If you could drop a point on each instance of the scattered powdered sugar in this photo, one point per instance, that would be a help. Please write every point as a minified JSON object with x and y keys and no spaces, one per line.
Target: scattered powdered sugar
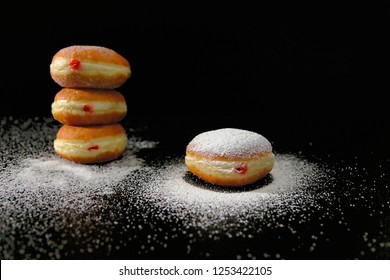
{"x":59,"y":184}
{"x":230,"y":142}
{"x":147,"y":205}
{"x":202,"y":205}
{"x":38,"y":188}
{"x":38,"y":170}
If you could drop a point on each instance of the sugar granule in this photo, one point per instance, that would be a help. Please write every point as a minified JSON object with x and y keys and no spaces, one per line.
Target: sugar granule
{"x":199,"y":204}
{"x":38,"y":189}
{"x":150,"y":206}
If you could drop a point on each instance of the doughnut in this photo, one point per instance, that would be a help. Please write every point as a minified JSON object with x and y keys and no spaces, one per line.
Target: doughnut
{"x":229,"y":157}
{"x":89,"y":67}
{"x":88,"y":106}
{"x":91,"y":144}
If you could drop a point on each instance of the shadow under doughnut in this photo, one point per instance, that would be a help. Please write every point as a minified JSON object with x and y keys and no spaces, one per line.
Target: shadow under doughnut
{"x":197,"y":182}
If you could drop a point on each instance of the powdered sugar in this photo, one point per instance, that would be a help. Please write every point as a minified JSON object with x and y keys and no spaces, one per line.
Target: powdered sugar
{"x":147,"y":205}
{"x":62,"y":183}
{"x":66,"y":185}
{"x":48,"y":201}
{"x":39,"y":191}
{"x":230,"y":142}
{"x":203,"y":205}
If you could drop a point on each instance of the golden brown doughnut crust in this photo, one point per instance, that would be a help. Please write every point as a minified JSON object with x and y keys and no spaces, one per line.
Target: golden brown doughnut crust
{"x":78,"y":94}
{"x":92,"y":53}
{"x":83,"y":112}
{"x":96,"y":56}
{"x":114,"y":135}
{"x":89,"y":132}
{"x":226,"y":181}
{"x":74,"y":120}
{"x":102,"y":157}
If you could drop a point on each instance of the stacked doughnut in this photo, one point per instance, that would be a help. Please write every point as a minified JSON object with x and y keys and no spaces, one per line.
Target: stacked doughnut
{"x":89,"y":105}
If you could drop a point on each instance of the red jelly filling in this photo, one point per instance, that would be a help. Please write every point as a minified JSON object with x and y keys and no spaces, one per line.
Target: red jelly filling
{"x":75,"y":64}
{"x":242,"y":168}
{"x":88,"y":108}
{"x":95,"y":147}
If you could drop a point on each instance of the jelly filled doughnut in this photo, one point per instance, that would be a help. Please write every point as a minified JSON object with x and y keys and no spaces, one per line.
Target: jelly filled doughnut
{"x":89,"y":67}
{"x":91,"y":144}
{"x":88,"y":106}
{"x":229,"y":157}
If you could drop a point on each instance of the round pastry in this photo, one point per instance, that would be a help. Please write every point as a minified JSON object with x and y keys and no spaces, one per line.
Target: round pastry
{"x":88,"y":106}
{"x":91,"y":144}
{"x":229,"y":157}
{"x":89,"y":67}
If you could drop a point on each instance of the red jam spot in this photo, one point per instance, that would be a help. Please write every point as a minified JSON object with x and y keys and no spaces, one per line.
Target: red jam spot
{"x":95,"y":147}
{"x":75,"y":64}
{"x":88,"y":108}
{"x":242,"y":168}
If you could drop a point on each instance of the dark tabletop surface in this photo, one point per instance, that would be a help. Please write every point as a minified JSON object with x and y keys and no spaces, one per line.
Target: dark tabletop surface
{"x":344,"y":215}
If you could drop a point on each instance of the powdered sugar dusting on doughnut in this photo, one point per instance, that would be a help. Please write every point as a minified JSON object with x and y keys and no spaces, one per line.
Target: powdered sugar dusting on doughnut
{"x":229,"y":143}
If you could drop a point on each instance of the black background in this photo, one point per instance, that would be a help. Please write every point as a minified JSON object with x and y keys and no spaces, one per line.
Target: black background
{"x":325,"y":59}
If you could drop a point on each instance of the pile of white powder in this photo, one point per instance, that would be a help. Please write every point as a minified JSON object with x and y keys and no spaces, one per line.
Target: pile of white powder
{"x":53,"y":208}
{"x":203,"y":205}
